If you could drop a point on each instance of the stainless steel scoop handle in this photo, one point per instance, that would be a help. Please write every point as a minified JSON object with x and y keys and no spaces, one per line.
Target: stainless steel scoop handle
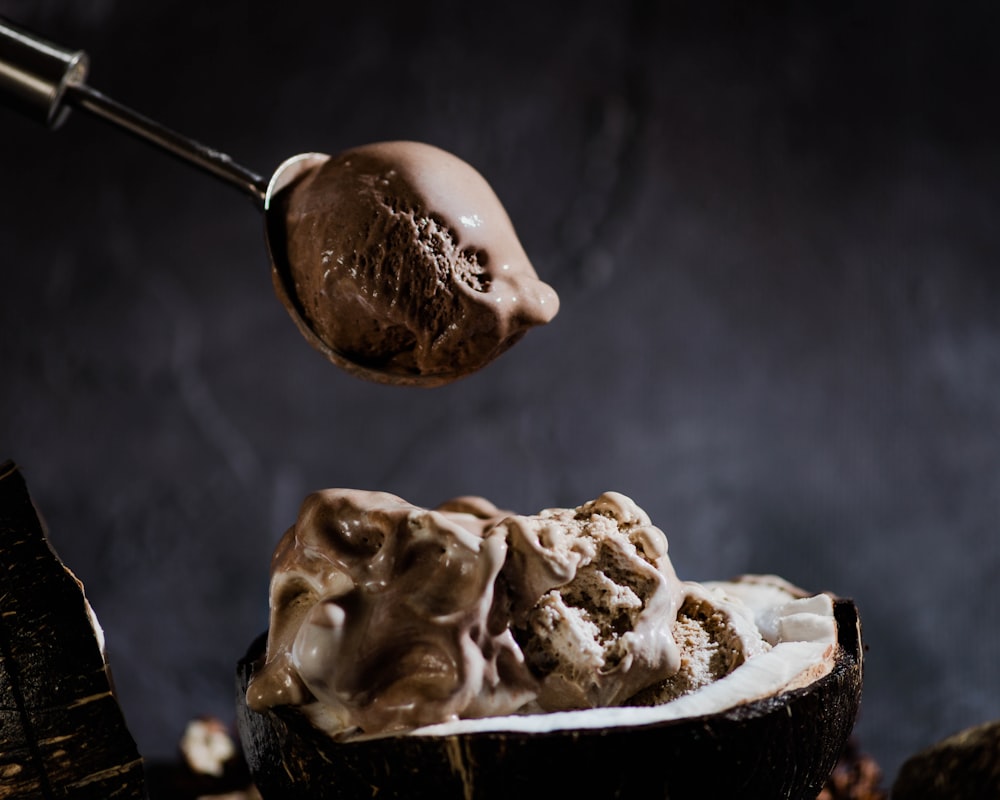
{"x":34,"y":74}
{"x":43,"y":80}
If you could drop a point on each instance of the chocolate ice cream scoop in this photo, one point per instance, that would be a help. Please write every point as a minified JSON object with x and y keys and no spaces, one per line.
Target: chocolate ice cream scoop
{"x":398,"y":258}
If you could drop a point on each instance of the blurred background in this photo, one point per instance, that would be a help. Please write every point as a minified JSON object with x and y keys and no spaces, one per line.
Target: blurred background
{"x":774,"y":231}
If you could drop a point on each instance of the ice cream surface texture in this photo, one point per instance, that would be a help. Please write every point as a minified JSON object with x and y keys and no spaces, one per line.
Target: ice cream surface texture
{"x":386,"y":617}
{"x":401,"y":257}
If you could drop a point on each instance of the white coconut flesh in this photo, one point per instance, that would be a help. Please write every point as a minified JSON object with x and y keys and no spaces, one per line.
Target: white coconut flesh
{"x":799,"y":636}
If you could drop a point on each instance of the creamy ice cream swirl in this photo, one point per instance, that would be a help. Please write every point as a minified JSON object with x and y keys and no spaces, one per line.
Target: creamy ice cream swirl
{"x":379,"y":612}
{"x":387,"y":617}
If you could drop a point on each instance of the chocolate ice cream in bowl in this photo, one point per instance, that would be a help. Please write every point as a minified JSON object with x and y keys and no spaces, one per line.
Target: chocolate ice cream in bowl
{"x":395,"y":260}
{"x":469,"y":652}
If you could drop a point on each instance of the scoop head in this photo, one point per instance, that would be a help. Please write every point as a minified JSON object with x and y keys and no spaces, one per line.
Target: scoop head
{"x":398,"y":262}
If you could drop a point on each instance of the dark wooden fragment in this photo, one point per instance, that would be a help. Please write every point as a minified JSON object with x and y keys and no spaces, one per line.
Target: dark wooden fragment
{"x":780,"y":747}
{"x":62,"y":732}
{"x":965,"y":765}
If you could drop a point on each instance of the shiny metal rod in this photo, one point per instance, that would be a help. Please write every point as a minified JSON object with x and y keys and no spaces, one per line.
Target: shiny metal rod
{"x":42,"y":80}
{"x":204,"y":158}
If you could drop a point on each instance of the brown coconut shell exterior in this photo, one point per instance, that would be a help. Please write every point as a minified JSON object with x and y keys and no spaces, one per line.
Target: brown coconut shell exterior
{"x":62,"y":732}
{"x":783,"y":746}
{"x":964,"y":765}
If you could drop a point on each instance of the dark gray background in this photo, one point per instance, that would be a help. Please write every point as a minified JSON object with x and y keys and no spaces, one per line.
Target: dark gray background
{"x":774,"y":233}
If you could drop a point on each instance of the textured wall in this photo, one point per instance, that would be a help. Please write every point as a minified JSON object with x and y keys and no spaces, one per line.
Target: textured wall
{"x":774,"y":232}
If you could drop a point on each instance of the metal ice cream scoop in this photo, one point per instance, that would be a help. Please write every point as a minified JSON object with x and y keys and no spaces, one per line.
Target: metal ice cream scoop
{"x":44,"y":81}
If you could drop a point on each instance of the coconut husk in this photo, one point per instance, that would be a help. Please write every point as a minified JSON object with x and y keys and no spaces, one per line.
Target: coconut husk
{"x":62,"y":732}
{"x":964,"y":765}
